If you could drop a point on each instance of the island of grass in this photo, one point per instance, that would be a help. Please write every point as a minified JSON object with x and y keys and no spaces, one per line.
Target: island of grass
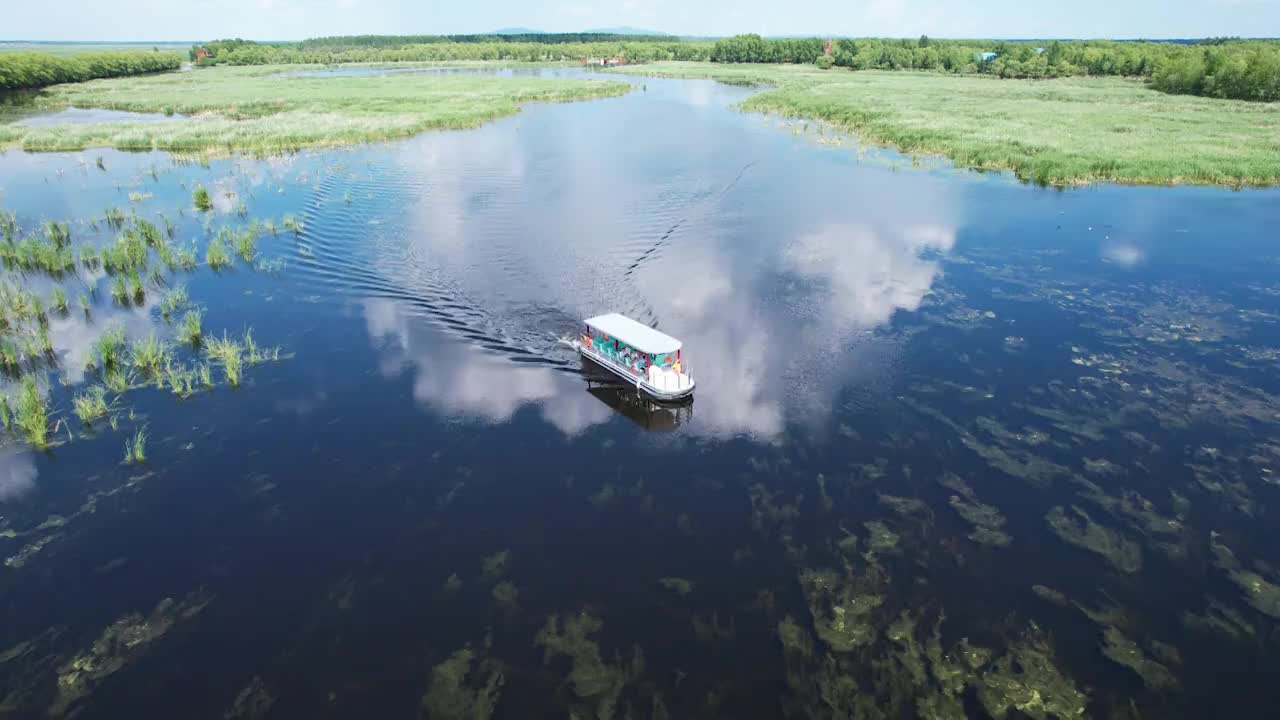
{"x":266,"y":109}
{"x":1060,"y":132}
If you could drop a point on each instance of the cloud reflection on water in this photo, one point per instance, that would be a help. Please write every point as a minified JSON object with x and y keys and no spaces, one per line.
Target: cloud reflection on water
{"x":17,"y":473}
{"x":772,"y":259}
{"x":454,"y":377}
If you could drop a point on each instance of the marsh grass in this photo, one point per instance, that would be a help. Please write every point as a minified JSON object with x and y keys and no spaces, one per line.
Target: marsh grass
{"x":174,"y":300}
{"x":116,"y":218}
{"x":110,"y":347}
{"x":116,"y":379}
{"x":1063,"y":131}
{"x":32,"y":413}
{"x":136,"y":291}
{"x":259,"y":110}
{"x":119,"y":291}
{"x":246,"y":244}
{"x":200,"y":198}
{"x":135,"y":448}
{"x":91,"y":404}
{"x":180,"y":379}
{"x":149,"y":356}
{"x":216,"y":255}
{"x":229,"y":353}
{"x":189,"y":330}
{"x":59,"y":299}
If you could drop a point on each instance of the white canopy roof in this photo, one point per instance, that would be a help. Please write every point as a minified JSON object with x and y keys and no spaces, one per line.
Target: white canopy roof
{"x":641,"y":337}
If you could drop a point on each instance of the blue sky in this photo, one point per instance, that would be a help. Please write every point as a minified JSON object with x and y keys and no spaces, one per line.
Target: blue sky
{"x":295,"y":19}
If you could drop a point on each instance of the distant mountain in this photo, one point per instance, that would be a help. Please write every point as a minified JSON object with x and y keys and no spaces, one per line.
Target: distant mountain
{"x":517,"y":31}
{"x":624,"y":30}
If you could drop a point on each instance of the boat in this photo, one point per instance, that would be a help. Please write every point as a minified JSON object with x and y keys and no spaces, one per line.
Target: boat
{"x":638,"y":355}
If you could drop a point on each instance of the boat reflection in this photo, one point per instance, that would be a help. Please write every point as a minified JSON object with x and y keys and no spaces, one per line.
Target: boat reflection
{"x":643,"y":411}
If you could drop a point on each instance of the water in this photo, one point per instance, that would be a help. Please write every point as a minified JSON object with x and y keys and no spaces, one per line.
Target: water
{"x":87,"y":116}
{"x":914,"y":386}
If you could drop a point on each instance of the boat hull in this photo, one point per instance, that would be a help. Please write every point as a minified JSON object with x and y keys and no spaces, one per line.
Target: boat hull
{"x":629,"y":378}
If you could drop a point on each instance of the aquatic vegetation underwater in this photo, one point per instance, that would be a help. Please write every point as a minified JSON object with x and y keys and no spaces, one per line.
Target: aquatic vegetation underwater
{"x":466,"y":685}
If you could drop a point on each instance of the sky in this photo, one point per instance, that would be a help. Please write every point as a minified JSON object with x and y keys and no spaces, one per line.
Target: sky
{"x":141,"y":20}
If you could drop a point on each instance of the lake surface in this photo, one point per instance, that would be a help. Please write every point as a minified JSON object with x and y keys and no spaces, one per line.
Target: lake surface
{"x":960,"y":446}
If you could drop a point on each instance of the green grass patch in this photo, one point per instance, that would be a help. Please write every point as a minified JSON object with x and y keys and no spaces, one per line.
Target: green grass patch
{"x":135,"y":449}
{"x":1064,"y":131}
{"x":91,"y":404}
{"x":230,"y":354}
{"x":32,"y":413}
{"x":257,"y":109}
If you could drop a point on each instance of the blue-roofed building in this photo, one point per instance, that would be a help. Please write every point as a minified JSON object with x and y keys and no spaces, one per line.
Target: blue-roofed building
{"x":986,"y":56}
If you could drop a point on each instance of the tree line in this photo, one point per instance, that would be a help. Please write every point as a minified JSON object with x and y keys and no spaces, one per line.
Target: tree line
{"x":1215,"y":67}
{"x":342,"y":42}
{"x":244,"y":52}
{"x":21,"y":70}
{"x":1218,"y":67}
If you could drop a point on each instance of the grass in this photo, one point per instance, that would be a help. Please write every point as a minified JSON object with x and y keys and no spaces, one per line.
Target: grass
{"x":91,"y":404}
{"x":1062,"y":132}
{"x":149,"y":356}
{"x":246,"y":244}
{"x":110,"y":348}
{"x":229,"y":353}
{"x":135,"y":449}
{"x":216,"y":254}
{"x":32,"y":413}
{"x":189,"y":330}
{"x":174,"y":300}
{"x":200,"y":198}
{"x":260,"y":110}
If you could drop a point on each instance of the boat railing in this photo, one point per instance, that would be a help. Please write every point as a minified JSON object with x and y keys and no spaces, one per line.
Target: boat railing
{"x":682,"y":379}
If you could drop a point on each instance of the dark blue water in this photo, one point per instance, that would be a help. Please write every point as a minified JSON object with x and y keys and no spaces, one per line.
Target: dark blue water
{"x":960,"y":447}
